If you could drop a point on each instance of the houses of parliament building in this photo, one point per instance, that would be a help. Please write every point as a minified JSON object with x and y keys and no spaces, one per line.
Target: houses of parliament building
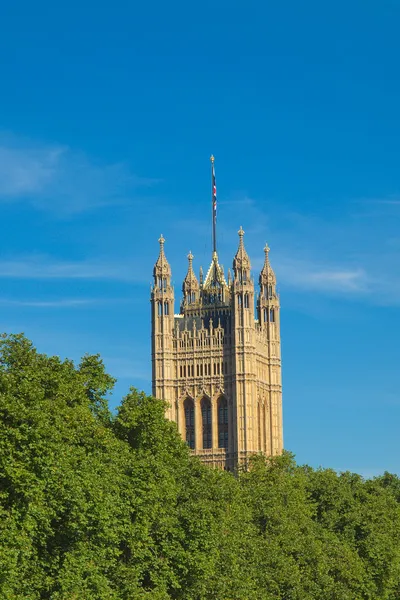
{"x":217,"y":363}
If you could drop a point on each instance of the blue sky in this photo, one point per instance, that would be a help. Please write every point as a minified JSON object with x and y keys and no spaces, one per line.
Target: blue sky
{"x":108,"y":115}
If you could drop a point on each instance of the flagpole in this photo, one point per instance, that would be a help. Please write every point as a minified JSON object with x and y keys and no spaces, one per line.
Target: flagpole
{"x":213,"y":206}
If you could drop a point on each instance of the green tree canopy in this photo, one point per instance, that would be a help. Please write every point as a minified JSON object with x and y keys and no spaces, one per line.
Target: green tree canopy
{"x":101,"y":506}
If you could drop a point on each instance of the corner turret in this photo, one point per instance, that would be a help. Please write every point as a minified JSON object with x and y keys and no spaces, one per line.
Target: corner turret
{"x":241,"y":262}
{"x":268,"y":299}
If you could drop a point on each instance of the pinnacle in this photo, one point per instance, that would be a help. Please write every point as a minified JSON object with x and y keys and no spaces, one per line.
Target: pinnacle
{"x":241,"y":256}
{"x":190,"y":281}
{"x":161,"y":263}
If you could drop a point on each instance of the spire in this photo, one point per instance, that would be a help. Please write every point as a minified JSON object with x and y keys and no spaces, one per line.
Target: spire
{"x":161,"y":268}
{"x":267,"y":273}
{"x":241,"y":260}
{"x":190,"y":259}
{"x":190,"y":282}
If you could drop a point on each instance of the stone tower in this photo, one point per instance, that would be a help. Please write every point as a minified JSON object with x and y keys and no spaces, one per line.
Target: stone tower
{"x":216,"y":365}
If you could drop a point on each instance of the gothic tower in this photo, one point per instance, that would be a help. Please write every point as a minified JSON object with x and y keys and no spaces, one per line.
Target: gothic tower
{"x":216,"y":365}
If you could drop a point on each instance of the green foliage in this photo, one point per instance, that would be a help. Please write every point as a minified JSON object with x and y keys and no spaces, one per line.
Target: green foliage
{"x":96,"y":506}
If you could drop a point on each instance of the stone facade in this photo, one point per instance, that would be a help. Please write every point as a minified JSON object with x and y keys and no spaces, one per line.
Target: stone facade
{"x":217,"y":366}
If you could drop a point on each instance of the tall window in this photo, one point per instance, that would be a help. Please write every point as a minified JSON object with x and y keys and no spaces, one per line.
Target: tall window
{"x":207,"y":426}
{"x":222,"y":423}
{"x":263,"y":426}
{"x":188,"y":406}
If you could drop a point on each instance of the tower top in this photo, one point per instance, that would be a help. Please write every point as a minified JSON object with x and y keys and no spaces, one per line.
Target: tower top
{"x":162,"y":266}
{"x":190,"y":282}
{"x":267,"y":273}
{"x":241,"y":260}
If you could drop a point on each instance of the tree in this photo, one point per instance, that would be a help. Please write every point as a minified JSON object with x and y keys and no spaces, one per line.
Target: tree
{"x":98,"y":506}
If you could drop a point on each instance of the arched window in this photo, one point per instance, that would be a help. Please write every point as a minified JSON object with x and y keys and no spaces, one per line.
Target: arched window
{"x":166,"y":308}
{"x":222,"y":423}
{"x":240,"y":300}
{"x":272,"y":315}
{"x":159,"y":308}
{"x":246,"y":301}
{"x":188,"y":406}
{"x":263,"y":428}
{"x":270,"y":291}
{"x":265,"y":315}
{"x":207,"y":425}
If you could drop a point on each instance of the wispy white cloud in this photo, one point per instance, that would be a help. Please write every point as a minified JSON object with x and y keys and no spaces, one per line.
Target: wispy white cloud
{"x":393,"y":199}
{"x":340,"y":252}
{"x":44,"y":267}
{"x":27,"y":170}
{"x":392,"y":202}
{"x":59,"y":303}
{"x":320,"y":277}
{"x":55,"y":177}
{"x":379,"y":286}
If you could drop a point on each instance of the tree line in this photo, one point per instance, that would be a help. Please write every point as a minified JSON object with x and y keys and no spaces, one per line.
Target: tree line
{"x":96,"y":505}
